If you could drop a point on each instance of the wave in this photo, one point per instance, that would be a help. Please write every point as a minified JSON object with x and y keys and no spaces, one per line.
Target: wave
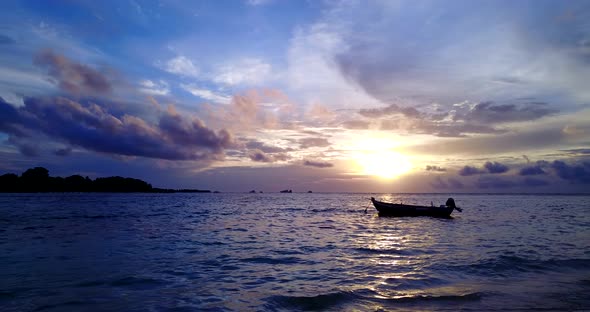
{"x":13,"y":293}
{"x":137,"y":282}
{"x":393,"y":251}
{"x":293,"y":209}
{"x":319,"y":302}
{"x":473,"y":296}
{"x":73,"y":304}
{"x":503,"y":265}
{"x":335,"y":299}
{"x":280,"y":260}
{"x":316,"y":210}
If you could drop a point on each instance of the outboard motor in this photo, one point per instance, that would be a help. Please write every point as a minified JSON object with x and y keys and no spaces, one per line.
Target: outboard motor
{"x":451,"y":203}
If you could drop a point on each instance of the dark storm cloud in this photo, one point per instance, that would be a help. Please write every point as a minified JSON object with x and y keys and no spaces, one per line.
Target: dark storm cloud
{"x":313,"y":142}
{"x":92,"y":127}
{"x":435,"y":168}
{"x":10,"y":119}
{"x":66,"y":151}
{"x":190,"y":132}
{"x":490,"y":167}
{"x":579,"y":173}
{"x":469,"y":171}
{"x":25,"y":147}
{"x":28,"y":150}
{"x":532,"y":170}
{"x":317,"y":164}
{"x":489,"y":112}
{"x":495,"y":167}
{"x":70,"y":76}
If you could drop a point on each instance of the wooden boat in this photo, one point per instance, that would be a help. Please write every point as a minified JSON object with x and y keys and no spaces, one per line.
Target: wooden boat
{"x":401,"y":210}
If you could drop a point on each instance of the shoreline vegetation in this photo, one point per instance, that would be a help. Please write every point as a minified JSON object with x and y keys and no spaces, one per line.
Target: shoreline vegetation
{"x":37,"y":180}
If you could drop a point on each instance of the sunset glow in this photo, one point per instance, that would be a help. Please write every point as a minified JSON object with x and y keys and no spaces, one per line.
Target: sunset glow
{"x":384,"y":164}
{"x":325,"y":95}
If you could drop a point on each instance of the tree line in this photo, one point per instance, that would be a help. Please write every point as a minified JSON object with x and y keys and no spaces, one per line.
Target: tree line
{"x":37,"y":180}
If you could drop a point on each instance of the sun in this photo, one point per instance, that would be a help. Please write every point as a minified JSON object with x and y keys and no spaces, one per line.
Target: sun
{"x":384,"y":164}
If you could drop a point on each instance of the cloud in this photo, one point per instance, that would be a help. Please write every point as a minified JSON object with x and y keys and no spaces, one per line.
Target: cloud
{"x":491,"y":182}
{"x":356,"y":124}
{"x":260,"y":156}
{"x":248,"y":71}
{"x":494,"y":182}
{"x":525,"y":140}
{"x":489,"y":112}
{"x":495,"y":167}
{"x":491,"y":167}
{"x":450,"y":183}
{"x":464,"y":119}
{"x":91,"y":126}
{"x":258,"y":2}
{"x":534,"y":182}
{"x":469,"y":171}
{"x":181,"y":65}
{"x":258,"y":145}
{"x":573,"y":173}
{"x":532,"y":170}
{"x":435,"y":168}
{"x":154,"y":88}
{"x":66,"y":151}
{"x":72,"y":77}
{"x":257,"y":109}
{"x":317,"y":164}
{"x":578,"y":151}
{"x":526,"y":158}
{"x":206,"y":94}
{"x":450,"y":128}
{"x":24,"y":146}
{"x":423,"y":59}
{"x":10,"y":119}
{"x":313,"y":142}
{"x":192,"y":132}
{"x":390,"y":110}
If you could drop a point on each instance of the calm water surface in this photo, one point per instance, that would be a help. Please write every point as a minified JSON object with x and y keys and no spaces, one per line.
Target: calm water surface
{"x":289,"y":252}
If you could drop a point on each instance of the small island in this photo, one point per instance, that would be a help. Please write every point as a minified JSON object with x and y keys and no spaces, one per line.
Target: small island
{"x":37,"y":180}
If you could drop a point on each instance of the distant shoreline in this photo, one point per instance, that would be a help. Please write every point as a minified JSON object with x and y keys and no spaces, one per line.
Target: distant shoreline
{"x":37,"y":180}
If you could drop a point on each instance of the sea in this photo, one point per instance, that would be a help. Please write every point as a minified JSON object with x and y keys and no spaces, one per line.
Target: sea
{"x":292,"y":252}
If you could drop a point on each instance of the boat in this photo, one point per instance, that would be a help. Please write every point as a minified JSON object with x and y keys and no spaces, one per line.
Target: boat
{"x":401,"y":210}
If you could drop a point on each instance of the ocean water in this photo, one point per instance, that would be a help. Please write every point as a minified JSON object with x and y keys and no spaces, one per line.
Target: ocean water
{"x":291,"y":252}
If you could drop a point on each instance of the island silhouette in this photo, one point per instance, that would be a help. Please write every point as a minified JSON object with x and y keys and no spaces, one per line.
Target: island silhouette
{"x":38,"y":180}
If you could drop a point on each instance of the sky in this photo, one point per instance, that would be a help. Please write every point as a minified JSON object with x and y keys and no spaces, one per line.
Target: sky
{"x":329,"y":96}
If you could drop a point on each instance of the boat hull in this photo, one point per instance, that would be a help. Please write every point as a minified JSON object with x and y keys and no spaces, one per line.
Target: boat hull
{"x":400,"y":210}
